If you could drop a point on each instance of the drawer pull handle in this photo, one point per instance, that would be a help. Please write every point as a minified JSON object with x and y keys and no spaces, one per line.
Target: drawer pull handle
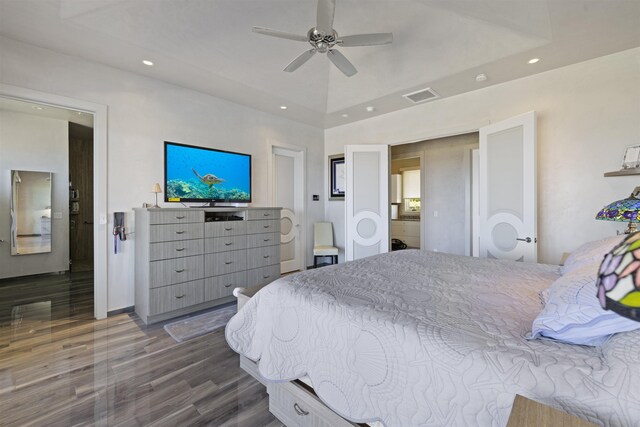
{"x":299,"y":410}
{"x":180,"y":296}
{"x":180,"y":217}
{"x":266,"y":240}
{"x":266,"y":256}
{"x":180,"y":249}
{"x":266,"y":226}
{"x":229,"y":285}
{"x":229,"y":262}
{"x":228,"y":229}
{"x":266,"y":214}
{"x":266,"y":277}
{"x":180,"y":232}
{"x":228,"y":244}
{"x":180,"y":271}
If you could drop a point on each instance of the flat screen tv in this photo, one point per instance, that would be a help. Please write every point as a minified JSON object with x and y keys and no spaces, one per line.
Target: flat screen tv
{"x":199,"y":174}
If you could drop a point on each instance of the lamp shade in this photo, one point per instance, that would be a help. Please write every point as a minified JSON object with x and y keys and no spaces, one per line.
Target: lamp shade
{"x":625,"y":210}
{"x":156,"y":188}
{"x":619,"y":278}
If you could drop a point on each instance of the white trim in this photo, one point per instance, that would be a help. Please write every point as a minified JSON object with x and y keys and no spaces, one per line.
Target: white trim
{"x":99,"y":112}
{"x":297,"y":153}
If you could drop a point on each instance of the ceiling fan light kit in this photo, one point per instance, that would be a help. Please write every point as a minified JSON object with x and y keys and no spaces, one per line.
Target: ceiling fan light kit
{"x":324,"y":39}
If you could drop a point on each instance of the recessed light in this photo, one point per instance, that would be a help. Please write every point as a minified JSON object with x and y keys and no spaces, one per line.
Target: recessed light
{"x":481,"y":77}
{"x":534,"y":60}
{"x":283,"y":107}
{"x":79,"y":113}
{"x":147,"y":63}
{"x":37,"y":107}
{"x":345,"y":115}
{"x":370,"y":108}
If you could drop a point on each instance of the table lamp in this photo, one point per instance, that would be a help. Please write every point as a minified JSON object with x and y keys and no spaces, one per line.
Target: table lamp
{"x":623,"y":210}
{"x":156,"y":189}
{"x":619,"y":278}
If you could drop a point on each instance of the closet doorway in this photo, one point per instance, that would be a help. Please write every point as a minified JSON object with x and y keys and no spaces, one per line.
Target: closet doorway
{"x":288,"y":190}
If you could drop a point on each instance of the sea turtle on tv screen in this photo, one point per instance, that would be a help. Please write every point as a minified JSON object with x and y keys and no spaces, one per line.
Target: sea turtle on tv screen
{"x":208,"y":179}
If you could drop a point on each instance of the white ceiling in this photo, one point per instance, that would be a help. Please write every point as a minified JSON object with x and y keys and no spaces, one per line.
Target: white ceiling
{"x":207,"y":45}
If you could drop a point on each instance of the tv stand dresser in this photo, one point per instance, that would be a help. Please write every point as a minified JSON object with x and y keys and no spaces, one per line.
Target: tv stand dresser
{"x":192,"y":259}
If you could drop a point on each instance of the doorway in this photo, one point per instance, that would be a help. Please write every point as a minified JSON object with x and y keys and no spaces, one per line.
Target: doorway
{"x":406,"y":199}
{"x":288,"y":181}
{"x":99,"y":115}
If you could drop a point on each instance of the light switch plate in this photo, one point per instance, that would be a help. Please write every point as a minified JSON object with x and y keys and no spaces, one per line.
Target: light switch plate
{"x":103,"y":219}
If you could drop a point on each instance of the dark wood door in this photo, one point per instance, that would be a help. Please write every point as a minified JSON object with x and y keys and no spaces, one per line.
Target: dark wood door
{"x":80,"y":197}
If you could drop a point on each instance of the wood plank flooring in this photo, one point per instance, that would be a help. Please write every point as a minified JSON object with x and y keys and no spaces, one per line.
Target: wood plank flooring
{"x":73,"y":371}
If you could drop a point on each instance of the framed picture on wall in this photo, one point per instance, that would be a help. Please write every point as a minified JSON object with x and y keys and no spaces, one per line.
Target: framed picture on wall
{"x":337,"y":181}
{"x":631,"y":157}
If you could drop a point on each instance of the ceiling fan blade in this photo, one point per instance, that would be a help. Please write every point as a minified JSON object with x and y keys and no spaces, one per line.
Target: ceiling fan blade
{"x":326,"y":10}
{"x":340,"y":61}
{"x":296,"y":63}
{"x":280,"y":34}
{"x":366,"y":39}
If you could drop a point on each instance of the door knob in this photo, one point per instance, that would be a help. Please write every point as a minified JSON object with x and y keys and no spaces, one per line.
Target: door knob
{"x":527,"y":239}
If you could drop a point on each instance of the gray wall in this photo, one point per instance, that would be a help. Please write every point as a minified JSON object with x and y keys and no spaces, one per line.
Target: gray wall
{"x":446,"y":173}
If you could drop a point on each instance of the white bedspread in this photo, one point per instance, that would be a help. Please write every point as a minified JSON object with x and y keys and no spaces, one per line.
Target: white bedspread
{"x":420,"y":338}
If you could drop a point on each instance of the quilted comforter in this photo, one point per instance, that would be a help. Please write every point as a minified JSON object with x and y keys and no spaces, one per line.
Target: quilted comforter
{"x":418,"y":338}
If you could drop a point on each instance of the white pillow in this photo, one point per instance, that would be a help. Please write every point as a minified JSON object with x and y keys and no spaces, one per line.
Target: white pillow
{"x":573,"y":314}
{"x":590,"y":252}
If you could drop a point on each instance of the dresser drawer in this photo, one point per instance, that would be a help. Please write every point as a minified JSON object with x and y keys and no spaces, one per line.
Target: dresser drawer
{"x":263,"y":275}
{"x":175,"y":217}
{"x":296,"y":406}
{"x":225,"y":262}
{"x":263,"y":239}
{"x":263,"y":226}
{"x":261,"y":257}
{"x":254,"y":214}
{"x":412,"y":228}
{"x":177,"y":270}
{"x":222,"y":286}
{"x":181,"y":248}
{"x":171,"y":232}
{"x":169,"y":298}
{"x":225,"y":228}
{"x":222,"y":244}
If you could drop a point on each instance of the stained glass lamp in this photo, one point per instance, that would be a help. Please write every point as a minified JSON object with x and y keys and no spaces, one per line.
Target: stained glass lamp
{"x":619,"y":278}
{"x":623,"y":210}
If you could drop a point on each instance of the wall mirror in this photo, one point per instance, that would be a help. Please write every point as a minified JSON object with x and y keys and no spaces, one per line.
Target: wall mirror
{"x":30,"y":212}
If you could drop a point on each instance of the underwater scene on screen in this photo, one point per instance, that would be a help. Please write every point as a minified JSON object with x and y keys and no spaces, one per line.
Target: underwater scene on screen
{"x":197,"y":173}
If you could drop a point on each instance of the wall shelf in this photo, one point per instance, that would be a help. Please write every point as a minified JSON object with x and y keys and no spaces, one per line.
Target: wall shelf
{"x":624,"y":172}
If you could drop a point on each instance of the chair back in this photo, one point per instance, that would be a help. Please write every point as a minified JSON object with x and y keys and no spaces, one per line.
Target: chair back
{"x":322,"y":234}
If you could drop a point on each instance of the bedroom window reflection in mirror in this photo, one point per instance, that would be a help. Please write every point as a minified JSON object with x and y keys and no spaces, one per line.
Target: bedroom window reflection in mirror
{"x":30,"y":212}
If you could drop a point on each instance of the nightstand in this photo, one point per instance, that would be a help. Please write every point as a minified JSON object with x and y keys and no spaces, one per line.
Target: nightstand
{"x":529,"y":413}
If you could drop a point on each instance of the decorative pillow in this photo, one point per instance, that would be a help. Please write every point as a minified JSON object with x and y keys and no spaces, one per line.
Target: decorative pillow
{"x":590,"y":252}
{"x":573,"y":314}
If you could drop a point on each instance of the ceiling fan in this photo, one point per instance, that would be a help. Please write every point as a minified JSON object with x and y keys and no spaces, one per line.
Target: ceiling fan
{"x":324,"y":39}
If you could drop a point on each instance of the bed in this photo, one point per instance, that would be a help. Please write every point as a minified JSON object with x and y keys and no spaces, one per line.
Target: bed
{"x":421,"y":338}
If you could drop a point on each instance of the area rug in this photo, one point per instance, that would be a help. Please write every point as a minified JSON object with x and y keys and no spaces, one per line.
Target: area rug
{"x":201,"y":324}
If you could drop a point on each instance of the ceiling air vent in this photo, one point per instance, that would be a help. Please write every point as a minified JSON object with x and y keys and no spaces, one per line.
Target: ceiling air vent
{"x":422,"y":95}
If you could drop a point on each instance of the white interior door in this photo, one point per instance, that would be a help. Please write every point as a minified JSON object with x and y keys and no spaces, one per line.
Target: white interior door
{"x":288,"y":175}
{"x":507,"y":176}
{"x":366,"y":200}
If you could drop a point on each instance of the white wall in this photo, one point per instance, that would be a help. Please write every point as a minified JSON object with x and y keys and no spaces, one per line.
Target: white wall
{"x":142,"y":113}
{"x":587,"y":114}
{"x":33,"y":143}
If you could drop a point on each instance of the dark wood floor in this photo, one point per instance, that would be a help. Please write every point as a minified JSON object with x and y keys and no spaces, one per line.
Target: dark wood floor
{"x":58,"y":367}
